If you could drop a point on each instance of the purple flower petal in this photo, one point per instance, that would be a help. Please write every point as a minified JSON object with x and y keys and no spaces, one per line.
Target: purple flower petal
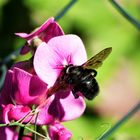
{"x":43,"y":116}
{"x":73,"y":108}
{"x":46,"y":31}
{"x":37,"y":31}
{"x":25,"y":49}
{"x":12,"y":112}
{"x":61,"y":106}
{"x":65,"y":107}
{"x":6,"y":93}
{"x":45,"y":64}
{"x":26,"y":65}
{"x":58,"y":132}
{"x":17,"y":112}
{"x":29,"y":89}
{"x":23,"y":88}
{"x":70,"y":49}
{"x":50,"y":58}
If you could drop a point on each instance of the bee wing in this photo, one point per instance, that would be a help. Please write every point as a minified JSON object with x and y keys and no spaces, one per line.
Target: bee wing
{"x":96,"y":61}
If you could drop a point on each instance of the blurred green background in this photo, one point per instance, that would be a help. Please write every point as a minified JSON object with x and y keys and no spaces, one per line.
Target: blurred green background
{"x":99,"y":25}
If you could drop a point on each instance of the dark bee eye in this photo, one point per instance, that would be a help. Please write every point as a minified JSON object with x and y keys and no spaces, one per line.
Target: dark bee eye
{"x":68,"y":70}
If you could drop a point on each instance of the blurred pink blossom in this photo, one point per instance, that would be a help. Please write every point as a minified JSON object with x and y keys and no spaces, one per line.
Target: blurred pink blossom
{"x":8,"y":133}
{"x":57,"y":131}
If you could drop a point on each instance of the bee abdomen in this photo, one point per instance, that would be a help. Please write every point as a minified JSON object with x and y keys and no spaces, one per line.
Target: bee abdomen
{"x":88,"y":87}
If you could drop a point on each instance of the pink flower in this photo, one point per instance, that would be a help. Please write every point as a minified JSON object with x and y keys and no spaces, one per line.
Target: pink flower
{"x":58,"y":132}
{"x":24,"y":87}
{"x":45,"y":32}
{"x":22,"y":90}
{"x":50,"y":58}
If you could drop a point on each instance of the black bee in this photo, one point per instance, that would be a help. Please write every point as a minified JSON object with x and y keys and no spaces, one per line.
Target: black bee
{"x":82,"y":78}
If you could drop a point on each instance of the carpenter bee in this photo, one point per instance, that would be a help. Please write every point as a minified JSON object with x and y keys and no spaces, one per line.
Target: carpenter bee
{"x":81,"y":79}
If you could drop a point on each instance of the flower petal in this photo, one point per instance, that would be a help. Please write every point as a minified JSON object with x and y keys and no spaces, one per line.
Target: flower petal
{"x":26,"y":65}
{"x":17,"y":112}
{"x":45,"y":63}
{"x":12,"y":112}
{"x":25,"y":49}
{"x":45,"y":32}
{"x":6,"y":93}
{"x":57,"y":131}
{"x":61,"y":106}
{"x":37,"y":31}
{"x":49,"y":29}
{"x":8,"y":133}
{"x":65,"y":107}
{"x":70,"y":48}
{"x":23,"y":88}
{"x":43,"y":117}
{"x":29,"y":89}
{"x":73,"y":108}
{"x":59,"y":51}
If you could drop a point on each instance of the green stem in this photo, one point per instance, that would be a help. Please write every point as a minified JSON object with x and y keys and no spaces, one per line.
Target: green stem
{"x":120,"y":122}
{"x":31,"y":130}
{"x":64,"y":10}
{"x":125,"y":14}
{"x":22,"y":125}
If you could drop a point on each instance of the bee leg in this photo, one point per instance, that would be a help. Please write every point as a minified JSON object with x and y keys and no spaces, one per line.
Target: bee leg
{"x":74,"y":91}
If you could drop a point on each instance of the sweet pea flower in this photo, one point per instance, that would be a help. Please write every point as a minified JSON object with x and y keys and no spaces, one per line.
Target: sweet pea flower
{"x":45,"y":32}
{"x":24,"y":89}
{"x":21,"y":90}
{"x":49,"y":60}
{"x":57,"y":131}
